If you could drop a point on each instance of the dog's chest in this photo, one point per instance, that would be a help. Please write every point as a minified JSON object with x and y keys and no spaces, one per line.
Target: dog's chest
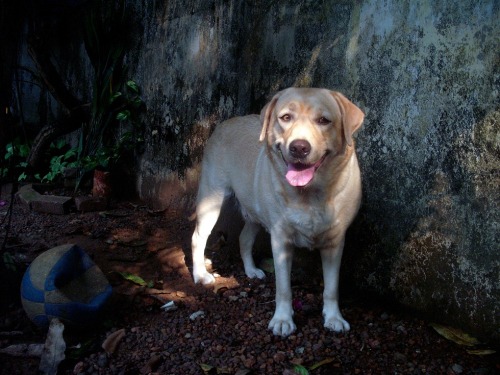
{"x":309,"y":227}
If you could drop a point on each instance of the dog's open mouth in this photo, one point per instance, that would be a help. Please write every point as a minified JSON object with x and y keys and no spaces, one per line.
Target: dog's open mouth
{"x":299,"y":174}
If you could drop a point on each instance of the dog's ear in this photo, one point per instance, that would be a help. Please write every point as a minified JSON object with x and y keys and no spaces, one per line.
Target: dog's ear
{"x":266,"y":116}
{"x":352,"y":116}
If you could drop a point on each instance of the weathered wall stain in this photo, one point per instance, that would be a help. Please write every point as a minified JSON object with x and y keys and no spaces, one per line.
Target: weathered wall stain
{"x":431,"y":183}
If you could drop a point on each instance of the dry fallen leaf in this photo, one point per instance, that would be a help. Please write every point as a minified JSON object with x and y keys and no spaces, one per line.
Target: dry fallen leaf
{"x":321,"y":363}
{"x":111,"y":343}
{"x":456,"y":335}
{"x":220,"y":288}
{"x":223,"y":370}
{"x":481,"y":351}
{"x":152,"y":364}
{"x":243,"y":372}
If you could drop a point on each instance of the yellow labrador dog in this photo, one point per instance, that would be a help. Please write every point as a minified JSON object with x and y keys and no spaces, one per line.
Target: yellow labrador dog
{"x":300,"y":180}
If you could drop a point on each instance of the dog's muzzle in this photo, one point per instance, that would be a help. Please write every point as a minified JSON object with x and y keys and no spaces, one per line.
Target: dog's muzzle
{"x":298,"y":173}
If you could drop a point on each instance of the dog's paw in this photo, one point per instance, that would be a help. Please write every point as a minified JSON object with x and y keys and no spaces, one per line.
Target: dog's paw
{"x":205,"y":278}
{"x":337,"y":324}
{"x":255,"y":273}
{"x":282,"y":327}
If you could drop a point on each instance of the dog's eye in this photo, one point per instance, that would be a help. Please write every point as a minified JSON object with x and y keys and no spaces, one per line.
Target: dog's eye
{"x":323,"y":121}
{"x":286,"y":117}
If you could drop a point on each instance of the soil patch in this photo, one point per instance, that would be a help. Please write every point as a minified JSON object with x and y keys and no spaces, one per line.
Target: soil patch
{"x":221,"y":329}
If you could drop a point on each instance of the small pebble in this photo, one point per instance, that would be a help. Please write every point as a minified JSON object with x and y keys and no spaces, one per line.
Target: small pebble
{"x":400,"y":358}
{"x":102,"y":361}
{"x":401,"y":329}
{"x":457,"y":369}
{"x":279,"y":357}
{"x":197,"y":314}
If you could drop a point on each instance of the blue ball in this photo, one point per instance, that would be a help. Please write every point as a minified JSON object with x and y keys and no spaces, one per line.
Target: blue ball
{"x":64,"y":283}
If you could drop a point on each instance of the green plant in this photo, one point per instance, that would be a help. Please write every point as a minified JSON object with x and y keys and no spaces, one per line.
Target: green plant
{"x":126,"y":107}
{"x":60,"y":156}
{"x":9,"y":261}
{"x":59,"y":162}
{"x":15,"y":157}
{"x":105,"y":27}
{"x":113,"y":128}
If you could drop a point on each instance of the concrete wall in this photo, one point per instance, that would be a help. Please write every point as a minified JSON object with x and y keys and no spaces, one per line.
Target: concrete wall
{"x":426,"y":73}
{"x":428,"y":76}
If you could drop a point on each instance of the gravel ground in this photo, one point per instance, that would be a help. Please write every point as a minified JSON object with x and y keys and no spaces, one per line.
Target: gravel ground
{"x":216,"y":330}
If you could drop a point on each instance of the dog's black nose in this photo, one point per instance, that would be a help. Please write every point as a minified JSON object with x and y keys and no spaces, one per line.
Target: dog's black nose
{"x":299,"y":148}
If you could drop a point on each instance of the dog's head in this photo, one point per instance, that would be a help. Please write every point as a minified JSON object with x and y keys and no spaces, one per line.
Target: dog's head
{"x":309,"y":127}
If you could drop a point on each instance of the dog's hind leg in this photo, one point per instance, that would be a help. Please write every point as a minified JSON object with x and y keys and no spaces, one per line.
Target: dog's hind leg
{"x":247,"y":239}
{"x":207,"y":213}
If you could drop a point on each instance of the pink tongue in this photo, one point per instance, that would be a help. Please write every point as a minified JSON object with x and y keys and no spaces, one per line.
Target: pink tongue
{"x":299,"y":178}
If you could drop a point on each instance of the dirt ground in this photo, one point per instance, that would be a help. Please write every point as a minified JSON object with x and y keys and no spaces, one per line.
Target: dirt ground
{"x":228,"y":332}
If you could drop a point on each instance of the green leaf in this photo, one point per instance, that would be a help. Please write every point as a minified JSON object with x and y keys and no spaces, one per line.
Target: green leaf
{"x":133,"y":278}
{"x":123,"y":115}
{"x":24,"y":151}
{"x":133,"y":86}
{"x":56,"y":159}
{"x":48,"y":177}
{"x":301,"y":370}
{"x":60,"y":144}
{"x":137,"y":102}
{"x":22,"y":177}
{"x":70,"y":153}
{"x":205,"y":367}
{"x":9,"y":262}
{"x":115,"y":96}
{"x":10,"y":151}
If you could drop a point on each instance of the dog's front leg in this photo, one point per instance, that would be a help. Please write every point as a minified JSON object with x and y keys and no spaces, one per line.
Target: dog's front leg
{"x":331,"y":258}
{"x":282,"y":322}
